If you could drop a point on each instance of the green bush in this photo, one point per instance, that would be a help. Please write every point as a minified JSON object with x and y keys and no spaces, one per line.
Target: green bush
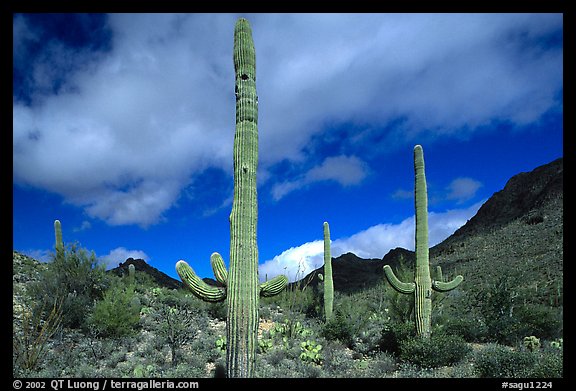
{"x":544,"y":321}
{"x":437,"y":351}
{"x":118,"y":313}
{"x":394,"y":334}
{"x":469,"y":328}
{"x":75,"y":279}
{"x":369,"y":338}
{"x":547,"y":365}
{"x":338,"y":328}
{"x":497,"y":361}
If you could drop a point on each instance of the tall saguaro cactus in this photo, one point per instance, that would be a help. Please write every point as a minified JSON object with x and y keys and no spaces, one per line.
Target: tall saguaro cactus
{"x":241,"y":288}
{"x":328,"y":281}
{"x":423,"y":284}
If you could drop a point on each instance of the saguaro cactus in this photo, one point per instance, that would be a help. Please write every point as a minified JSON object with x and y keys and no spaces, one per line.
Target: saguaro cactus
{"x":423,"y":285}
{"x":58,"y":234}
{"x":328,"y":282}
{"x":241,"y":288}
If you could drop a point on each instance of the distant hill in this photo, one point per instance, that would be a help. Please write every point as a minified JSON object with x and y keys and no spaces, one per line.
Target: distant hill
{"x":518,"y":230}
{"x":141,"y":265}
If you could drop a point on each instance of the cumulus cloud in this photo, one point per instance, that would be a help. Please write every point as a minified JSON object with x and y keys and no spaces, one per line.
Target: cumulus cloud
{"x":345,"y":170}
{"x":463,"y":189}
{"x":121,"y":254}
{"x":459,"y":189}
{"x":128,"y":128}
{"x":85,"y":225}
{"x":373,"y":242}
{"x":39,"y":255}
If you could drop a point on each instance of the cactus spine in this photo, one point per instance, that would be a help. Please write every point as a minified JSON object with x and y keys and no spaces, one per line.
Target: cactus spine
{"x":328,"y":282}
{"x":423,"y":284}
{"x":241,"y":288}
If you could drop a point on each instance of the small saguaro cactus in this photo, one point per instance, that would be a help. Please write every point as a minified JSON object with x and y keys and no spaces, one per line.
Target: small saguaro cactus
{"x":328,"y":282}
{"x":240,"y":285}
{"x":58,"y":234}
{"x":423,"y":284}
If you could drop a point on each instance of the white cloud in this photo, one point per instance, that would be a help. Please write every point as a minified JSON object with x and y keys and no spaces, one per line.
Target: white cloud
{"x":402,"y":194}
{"x":135,"y":125}
{"x":120,"y":255}
{"x":83,"y":226}
{"x":295,"y":263}
{"x":39,"y":255}
{"x":345,"y":170}
{"x":374,"y":242}
{"x":462,"y":189}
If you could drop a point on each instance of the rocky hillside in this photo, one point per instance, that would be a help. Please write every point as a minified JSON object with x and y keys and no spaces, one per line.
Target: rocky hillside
{"x":519,"y":232}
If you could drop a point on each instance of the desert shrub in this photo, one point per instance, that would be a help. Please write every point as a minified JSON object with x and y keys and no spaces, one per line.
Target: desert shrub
{"x":194,"y":367}
{"x":394,"y":334}
{"x":548,"y":364}
{"x":338,"y":361}
{"x":34,"y":324}
{"x":498,"y":361}
{"x":178,"y":320}
{"x":338,"y":328}
{"x":369,"y":338}
{"x":468,"y":327}
{"x":218,"y":310}
{"x":381,"y":364}
{"x":437,"y":351}
{"x":76,"y":279}
{"x":496,"y":303}
{"x":544,"y":321}
{"x":117,"y":314}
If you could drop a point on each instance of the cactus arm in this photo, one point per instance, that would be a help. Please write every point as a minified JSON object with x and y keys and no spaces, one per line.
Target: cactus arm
{"x":441,"y":286}
{"x":439,"y":276}
{"x":328,"y":281}
{"x":198,"y":287}
{"x":219,"y":268}
{"x":402,"y":287}
{"x":274,"y":286}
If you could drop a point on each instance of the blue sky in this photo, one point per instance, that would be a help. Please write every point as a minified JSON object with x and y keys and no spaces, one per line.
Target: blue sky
{"x":123,"y":127}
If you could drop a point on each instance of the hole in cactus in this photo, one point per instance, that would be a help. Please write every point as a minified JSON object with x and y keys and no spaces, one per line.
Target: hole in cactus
{"x":244,"y":76}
